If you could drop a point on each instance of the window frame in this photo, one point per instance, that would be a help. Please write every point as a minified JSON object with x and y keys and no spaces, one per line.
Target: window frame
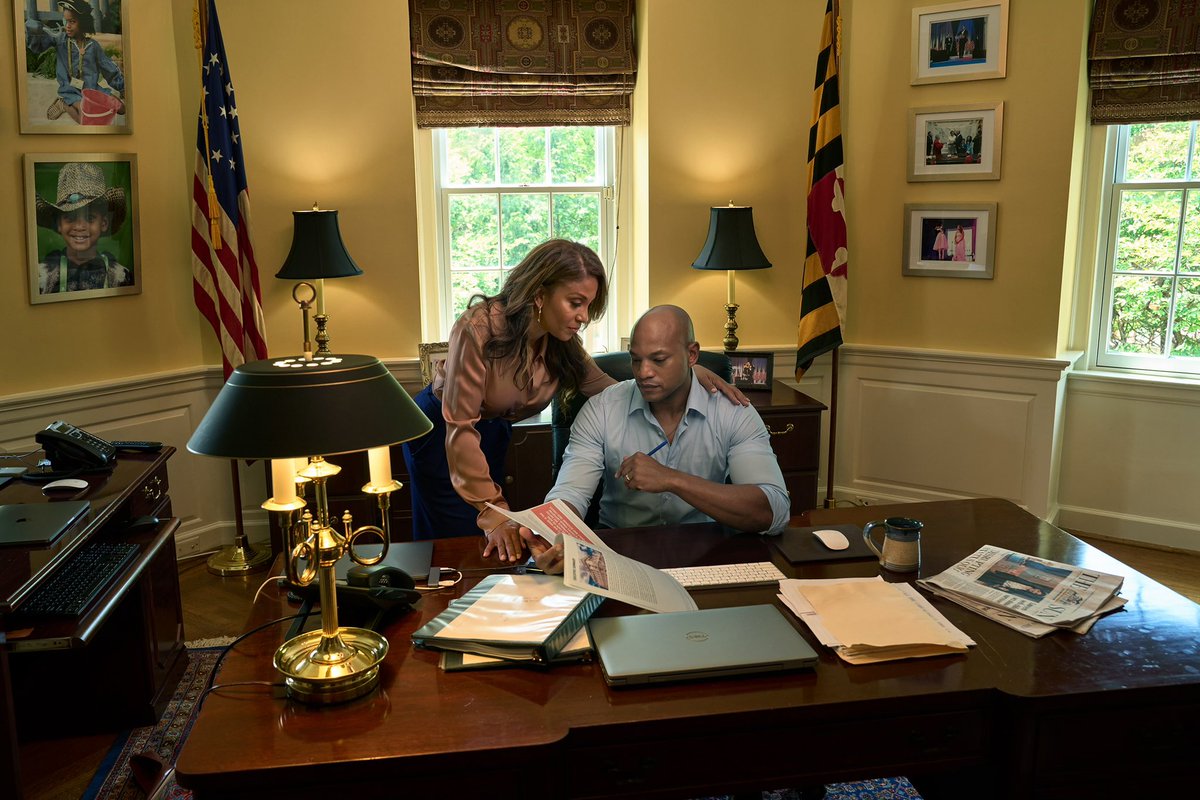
{"x":1108,"y":242}
{"x":598,"y":337}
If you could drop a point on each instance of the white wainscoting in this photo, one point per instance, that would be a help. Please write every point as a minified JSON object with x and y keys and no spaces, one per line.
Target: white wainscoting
{"x":163,"y":407}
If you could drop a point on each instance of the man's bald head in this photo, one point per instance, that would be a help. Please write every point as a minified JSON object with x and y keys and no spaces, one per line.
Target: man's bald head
{"x":662,"y":350}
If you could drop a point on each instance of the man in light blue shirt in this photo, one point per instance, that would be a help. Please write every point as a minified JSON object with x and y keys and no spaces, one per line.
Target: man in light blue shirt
{"x":618,"y":437}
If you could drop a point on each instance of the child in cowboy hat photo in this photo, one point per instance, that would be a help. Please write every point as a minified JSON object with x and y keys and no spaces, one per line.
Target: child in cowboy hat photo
{"x":86,"y":209}
{"x":81,"y":63}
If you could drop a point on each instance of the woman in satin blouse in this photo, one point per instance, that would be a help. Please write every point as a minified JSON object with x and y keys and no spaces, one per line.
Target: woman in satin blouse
{"x":508,"y":356}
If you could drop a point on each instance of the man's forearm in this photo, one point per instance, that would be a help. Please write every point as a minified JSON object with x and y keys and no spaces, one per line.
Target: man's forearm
{"x":743,"y":507}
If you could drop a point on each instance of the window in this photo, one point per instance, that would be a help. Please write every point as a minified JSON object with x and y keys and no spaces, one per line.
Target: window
{"x":1151,"y":301}
{"x":502,"y":191}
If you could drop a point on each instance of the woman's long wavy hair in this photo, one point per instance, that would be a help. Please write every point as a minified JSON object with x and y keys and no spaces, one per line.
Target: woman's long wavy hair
{"x":548,"y":266}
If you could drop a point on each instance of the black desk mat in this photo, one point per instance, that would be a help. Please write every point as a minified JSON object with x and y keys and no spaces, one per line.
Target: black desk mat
{"x":799,"y":546}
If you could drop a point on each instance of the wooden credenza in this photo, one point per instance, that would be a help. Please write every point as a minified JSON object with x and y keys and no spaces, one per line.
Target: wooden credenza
{"x":118,"y":664}
{"x":794,"y":421}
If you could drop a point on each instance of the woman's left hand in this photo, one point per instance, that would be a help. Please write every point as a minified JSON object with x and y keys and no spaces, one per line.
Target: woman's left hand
{"x":505,"y":541}
{"x":713,"y":382}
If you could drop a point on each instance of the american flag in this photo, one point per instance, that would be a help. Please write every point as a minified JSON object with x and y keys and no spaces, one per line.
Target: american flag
{"x":823,"y":296}
{"x":224,"y":275}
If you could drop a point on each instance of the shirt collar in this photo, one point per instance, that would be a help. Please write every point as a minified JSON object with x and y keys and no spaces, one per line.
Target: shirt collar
{"x":697,"y":400}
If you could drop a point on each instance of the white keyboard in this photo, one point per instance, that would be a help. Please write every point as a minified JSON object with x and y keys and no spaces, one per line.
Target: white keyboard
{"x":720,"y":575}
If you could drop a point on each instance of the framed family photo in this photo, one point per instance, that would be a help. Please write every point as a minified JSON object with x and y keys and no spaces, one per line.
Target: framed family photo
{"x":950,"y":240}
{"x":955,"y":143}
{"x":81,"y":217}
{"x":72,"y":66}
{"x":964,"y":41}
{"x":751,"y":369}
{"x":433,"y":355}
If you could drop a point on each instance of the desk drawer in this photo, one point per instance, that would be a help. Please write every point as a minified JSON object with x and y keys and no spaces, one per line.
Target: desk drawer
{"x":150,"y":497}
{"x":795,"y":438}
{"x":706,"y":762}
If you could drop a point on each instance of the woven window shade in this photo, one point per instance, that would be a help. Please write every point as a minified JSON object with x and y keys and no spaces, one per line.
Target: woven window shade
{"x":522,"y":62}
{"x":1144,"y":61}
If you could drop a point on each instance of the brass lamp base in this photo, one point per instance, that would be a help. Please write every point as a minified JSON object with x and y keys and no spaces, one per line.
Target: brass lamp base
{"x":324,"y":670}
{"x":238,"y":558}
{"x":731,"y":341}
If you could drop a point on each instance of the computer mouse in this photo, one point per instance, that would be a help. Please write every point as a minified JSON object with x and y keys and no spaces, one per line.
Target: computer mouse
{"x":66,"y":483}
{"x":834,"y":540}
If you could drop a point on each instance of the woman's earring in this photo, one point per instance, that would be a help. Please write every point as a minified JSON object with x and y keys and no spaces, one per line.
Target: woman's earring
{"x":539,"y":308}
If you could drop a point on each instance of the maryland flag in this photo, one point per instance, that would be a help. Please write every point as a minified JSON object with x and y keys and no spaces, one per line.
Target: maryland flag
{"x":823,"y":297}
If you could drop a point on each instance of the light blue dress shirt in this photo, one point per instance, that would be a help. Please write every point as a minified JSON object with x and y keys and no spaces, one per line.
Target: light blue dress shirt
{"x":715,"y":440}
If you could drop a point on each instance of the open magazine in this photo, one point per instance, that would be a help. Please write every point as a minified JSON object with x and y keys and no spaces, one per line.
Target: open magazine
{"x":1032,"y":595}
{"x":591,"y":565}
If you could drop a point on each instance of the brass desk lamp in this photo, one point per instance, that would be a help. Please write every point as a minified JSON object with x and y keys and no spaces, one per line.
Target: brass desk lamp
{"x":295,"y":411}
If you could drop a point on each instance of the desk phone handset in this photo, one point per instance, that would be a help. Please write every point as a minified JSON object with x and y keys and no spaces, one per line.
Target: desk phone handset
{"x":68,"y":447}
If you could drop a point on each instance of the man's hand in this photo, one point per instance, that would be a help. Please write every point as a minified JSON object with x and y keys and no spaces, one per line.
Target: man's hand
{"x":642,"y":473}
{"x":549,"y":558}
{"x":505,"y":541}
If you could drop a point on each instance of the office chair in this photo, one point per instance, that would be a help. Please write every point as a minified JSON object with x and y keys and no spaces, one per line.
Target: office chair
{"x":619,"y":367}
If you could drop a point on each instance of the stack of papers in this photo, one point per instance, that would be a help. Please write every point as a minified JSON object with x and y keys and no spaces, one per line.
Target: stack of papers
{"x":867,"y":620}
{"x":1032,"y":595}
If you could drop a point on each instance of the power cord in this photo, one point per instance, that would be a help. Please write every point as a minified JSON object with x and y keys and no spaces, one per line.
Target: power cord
{"x":217,"y":665}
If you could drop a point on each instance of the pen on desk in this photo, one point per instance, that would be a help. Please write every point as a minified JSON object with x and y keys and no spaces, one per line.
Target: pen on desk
{"x":658,"y":447}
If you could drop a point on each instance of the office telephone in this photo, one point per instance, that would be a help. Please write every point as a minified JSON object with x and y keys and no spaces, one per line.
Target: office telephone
{"x":69,"y":447}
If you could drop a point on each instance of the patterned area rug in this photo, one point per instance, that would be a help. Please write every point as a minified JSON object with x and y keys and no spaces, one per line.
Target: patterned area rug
{"x":114,"y":779}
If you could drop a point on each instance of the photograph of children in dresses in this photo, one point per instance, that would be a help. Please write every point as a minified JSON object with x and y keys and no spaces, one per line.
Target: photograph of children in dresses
{"x":949,"y":239}
{"x":74,"y":65}
{"x":83,"y":238}
{"x":953,"y":141}
{"x":953,"y":42}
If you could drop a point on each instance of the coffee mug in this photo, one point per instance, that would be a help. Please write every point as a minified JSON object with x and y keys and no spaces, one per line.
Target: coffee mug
{"x":901,"y":543}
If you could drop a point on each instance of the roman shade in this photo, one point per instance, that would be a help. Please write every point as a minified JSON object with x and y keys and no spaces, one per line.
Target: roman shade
{"x":511,"y":63}
{"x":1144,"y":61}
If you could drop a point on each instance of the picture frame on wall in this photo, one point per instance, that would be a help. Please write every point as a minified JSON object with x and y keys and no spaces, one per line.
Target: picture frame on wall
{"x":73,"y":72}
{"x":432,"y":355}
{"x":751,"y":369}
{"x":955,"y":143}
{"x":949,"y":240}
{"x":964,"y":41}
{"x":82,"y":230}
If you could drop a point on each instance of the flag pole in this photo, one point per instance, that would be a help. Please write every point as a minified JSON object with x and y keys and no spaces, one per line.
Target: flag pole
{"x":833,"y":407}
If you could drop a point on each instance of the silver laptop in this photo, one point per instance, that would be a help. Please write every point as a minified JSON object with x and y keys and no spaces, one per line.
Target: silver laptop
{"x":38,"y":524}
{"x":690,"y":645}
{"x":415,"y":558}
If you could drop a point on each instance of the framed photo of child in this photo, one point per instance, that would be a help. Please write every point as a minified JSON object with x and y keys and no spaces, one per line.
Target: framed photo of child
{"x":81,"y":218}
{"x":751,"y":369}
{"x":73,"y":70}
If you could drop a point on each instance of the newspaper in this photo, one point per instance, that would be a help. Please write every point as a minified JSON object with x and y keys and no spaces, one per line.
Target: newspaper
{"x":589,"y":564}
{"x":1017,"y":589}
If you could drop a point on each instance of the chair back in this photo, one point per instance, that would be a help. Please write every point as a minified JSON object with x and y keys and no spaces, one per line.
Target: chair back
{"x":620,"y":368}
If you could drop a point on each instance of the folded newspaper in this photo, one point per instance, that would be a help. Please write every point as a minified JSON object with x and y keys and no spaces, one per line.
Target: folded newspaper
{"x":1032,"y":595}
{"x":589,"y":564}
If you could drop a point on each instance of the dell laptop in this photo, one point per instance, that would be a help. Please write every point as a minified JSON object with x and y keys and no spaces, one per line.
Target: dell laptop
{"x":415,"y":558}
{"x":691,"y":645}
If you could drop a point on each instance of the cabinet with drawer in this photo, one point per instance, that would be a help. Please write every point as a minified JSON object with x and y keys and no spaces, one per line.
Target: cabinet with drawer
{"x":794,"y":421}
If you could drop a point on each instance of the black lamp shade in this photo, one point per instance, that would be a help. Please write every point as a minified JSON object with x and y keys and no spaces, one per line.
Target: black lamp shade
{"x":731,"y":242}
{"x":317,"y":249}
{"x":291,"y":408}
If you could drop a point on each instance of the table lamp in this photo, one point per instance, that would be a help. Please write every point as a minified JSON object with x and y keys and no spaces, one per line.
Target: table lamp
{"x":295,"y":411}
{"x":317,"y":253}
{"x":731,"y":245}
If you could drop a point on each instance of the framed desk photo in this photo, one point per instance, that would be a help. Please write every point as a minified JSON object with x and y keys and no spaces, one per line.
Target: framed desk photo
{"x":949,"y":240}
{"x":72,"y":63}
{"x":964,"y":41}
{"x":751,"y":369}
{"x":81,"y":218}
{"x":433,"y":355}
{"x":955,"y":143}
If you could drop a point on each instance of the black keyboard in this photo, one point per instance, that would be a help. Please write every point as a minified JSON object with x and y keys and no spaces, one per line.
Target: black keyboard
{"x":79,"y":581}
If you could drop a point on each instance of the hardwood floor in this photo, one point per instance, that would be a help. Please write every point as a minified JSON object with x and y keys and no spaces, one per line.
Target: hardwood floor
{"x":213,"y":606}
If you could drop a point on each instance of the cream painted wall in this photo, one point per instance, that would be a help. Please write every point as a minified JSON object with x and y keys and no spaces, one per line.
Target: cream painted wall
{"x":78,"y":342}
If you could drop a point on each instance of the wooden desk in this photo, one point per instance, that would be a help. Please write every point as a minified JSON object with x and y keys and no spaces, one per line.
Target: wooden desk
{"x":117,"y":665}
{"x":1101,"y":715}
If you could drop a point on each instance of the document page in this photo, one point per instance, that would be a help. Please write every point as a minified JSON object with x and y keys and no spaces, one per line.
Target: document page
{"x":590,"y":565}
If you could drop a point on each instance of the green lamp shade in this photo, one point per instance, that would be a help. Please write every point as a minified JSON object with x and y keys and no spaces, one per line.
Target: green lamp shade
{"x":731,"y":242}
{"x":317,"y":248}
{"x":292,"y":408}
